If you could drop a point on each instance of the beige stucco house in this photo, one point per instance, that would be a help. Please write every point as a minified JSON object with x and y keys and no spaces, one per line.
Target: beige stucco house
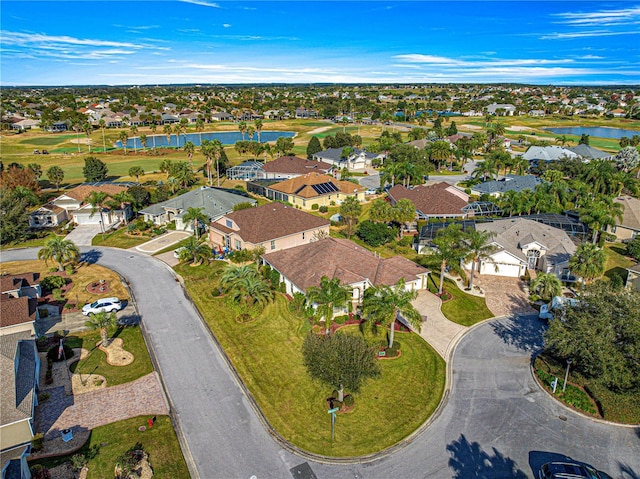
{"x":629,"y":227}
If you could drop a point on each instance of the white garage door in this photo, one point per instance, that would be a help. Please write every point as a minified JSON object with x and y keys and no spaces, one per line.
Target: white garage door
{"x":509,"y":270}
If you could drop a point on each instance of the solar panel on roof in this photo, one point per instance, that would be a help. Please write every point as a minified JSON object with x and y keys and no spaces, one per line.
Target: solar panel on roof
{"x":324,"y":188}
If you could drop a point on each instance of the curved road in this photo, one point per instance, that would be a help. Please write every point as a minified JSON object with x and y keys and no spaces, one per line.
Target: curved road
{"x":497,"y":422}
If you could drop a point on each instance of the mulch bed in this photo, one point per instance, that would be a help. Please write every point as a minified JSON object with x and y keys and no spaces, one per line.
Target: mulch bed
{"x":99,"y":287}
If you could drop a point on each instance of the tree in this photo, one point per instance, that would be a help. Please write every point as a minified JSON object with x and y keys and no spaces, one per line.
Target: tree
{"x":340,"y":360}
{"x":55,"y":174}
{"x":584,"y":139}
{"x":588,"y":261}
{"x":211,"y":149}
{"x":103,"y":124}
{"x":546,"y":285}
{"x":167,"y":132}
{"x":140,"y":195}
{"x":383,"y":304}
{"x":381,"y":211}
{"x":375,"y":234}
{"x":36,"y":169}
{"x":195,"y":250}
{"x":123,"y":137}
{"x":14,"y":217}
{"x":17,"y":175}
{"x":59,"y":250}
{"x":479,"y":248}
{"x":600,"y":214}
{"x":102,"y":321}
{"x":313,"y":147}
{"x":327,"y":297}
{"x":137,"y":172}
{"x":627,"y":159}
{"x":485,"y":168}
{"x":350,"y":211}
{"x":197,"y":216}
{"x":633,"y":248}
{"x":96,"y":200}
{"x":200,"y":128}
{"x":439,"y":152}
{"x":284,"y":145}
{"x":94,"y":170}
{"x":88,"y":129}
{"x":120,"y":200}
{"x":601,"y":334}
{"x":258,"y":125}
{"x":451,"y":249}
{"x":242,"y":126}
{"x":143,"y":141}
{"x":244,"y":285}
{"x":189,"y":148}
{"x":404,"y":211}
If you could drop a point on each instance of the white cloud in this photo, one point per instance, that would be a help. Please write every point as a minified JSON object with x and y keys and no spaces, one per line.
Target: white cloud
{"x":623,"y":16}
{"x":202,"y":3}
{"x":586,"y":34}
{"x":18,"y":38}
{"x":226,"y":25}
{"x":446,"y":62}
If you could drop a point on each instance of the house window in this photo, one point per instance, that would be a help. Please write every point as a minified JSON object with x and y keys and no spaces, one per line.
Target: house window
{"x":229,"y":223}
{"x":533,"y":255}
{"x":273,"y":244}
{"x":238,"y":245}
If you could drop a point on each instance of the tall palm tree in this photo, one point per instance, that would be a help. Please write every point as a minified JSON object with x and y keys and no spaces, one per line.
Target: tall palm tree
{"x":143,"y":141}
{"x":60,"y":250}
{"x":245,"y":285}
{"x":451,"y":249}
{"x":88,"y":129}
{"x":197,"y":216}
{"x":102,"y":321}
{"x":440,"y":152}
{"x":242,"y":126}
{"x":382,"y":305}
{"x":123,"y":137}
{"x":600,"y":214}
{"x":177,"y":129}
{"x":479,"y":248}
{"x":103,"y":124}
{"x":153,"y":127}
{"x":250,"y":131}
{"x":587,"y":262}
{"x":120,"y":199}
{"x":328,"y":296}
{"x":258,"y":126}
{"x":134,"y":131}
{"x":96,"y":199}
{"x":195,"y":250}
{"x":167,"y":132}
{"x":546,"y":285}
{"x":189,"y":148}
{"x":200,"y":128}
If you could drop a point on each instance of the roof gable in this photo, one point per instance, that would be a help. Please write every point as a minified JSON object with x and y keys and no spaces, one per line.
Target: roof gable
{"x":303,"y":186}
{"x":295,"y":165}
{"x":440,"y":199}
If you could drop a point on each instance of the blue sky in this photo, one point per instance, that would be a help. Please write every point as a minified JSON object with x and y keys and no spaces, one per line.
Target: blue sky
{"x":202,"y":41}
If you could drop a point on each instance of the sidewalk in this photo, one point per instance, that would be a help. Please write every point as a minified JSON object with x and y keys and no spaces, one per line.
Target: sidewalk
{"x":437,"y":330}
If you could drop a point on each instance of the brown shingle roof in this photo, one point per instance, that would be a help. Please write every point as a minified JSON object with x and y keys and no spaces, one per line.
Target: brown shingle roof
{"x":12,"y":282}
{"x":433,"y":200}
{"x":81,"y":192}
{"x":271,"y":221}
{"x":305,"y":265}
{"x":295,"y":165}
{"x":301,"y":185}
{"x":17,"y":310}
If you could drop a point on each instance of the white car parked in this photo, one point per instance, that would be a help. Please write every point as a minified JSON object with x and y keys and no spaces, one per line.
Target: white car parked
{"x":557,"y":303}
{"x":109,"y":305}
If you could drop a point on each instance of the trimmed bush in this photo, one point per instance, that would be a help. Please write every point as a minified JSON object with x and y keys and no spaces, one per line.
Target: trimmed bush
{"x":49,"y":283}
{"x":349,"y":400}
{"x":37,"y":442}
{"x":315,"y":206}
{"x":323,"y":209}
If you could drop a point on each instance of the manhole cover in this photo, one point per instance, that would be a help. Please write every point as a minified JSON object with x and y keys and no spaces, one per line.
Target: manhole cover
{"x":302,"y":471}
{"x":562,"y":418}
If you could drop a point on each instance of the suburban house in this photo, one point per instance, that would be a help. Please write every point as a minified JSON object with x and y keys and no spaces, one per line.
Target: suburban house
{"x":633,"y":277}
{"x":527,"y":245}
{"x":629,"y":227}
{"x":213,"y":202}
{"x":588,"y":153}
{"x":274,"y":226}
{"x":313,"y":189}
{"x":304,"y":266}
{"x":497,"y":188}
{"x":19,"y":371}
{"x":434,"y":201}
{"x":287,"y":167}
{"x":221,"y":116}
{"x":548,"y":153}
{"x":356,"y":160}
{"x":504,"y":109}
{"x":18,"y":285}
{"x":72,"y":205}
{"x":14,"y":463}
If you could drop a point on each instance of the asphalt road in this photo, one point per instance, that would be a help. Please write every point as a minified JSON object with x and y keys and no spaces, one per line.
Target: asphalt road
{"x":497,"y":423}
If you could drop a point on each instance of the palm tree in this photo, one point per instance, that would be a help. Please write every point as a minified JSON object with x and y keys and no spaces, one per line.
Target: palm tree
{"x":200,"y":128}
{"x":485,"y":168}
{"x":439,"y":152}
{"x":451,"y":248}
{"x":242,"y":126}
{"x":211,"y":150}
{"x":258,"y":125}
{"x":328,"y":296}
{"x":134,"y":131}
{"x":136,"y":171}
{"x":479,"y":248}
{"x":167,"y":132}
{"x":177,"y":129}
{"x":123,"y":137}
{"x":546,"y":285}
{"x":383,"y":304}
{"x":120,"y":199}
{"x":197,"y":216}
{"x":88,"y":129}
{"x":60,"y":250}
{"x":195,"y":250}
{"x":143,"y":141}
{"x":600,"y":214}
{"x":245,"y":285}
{"x":102,"y":321}
{"x":404,"y":212}
{"x":250,"y":131}
{"x":189,"y":148}
{"x":95,"y":199}
{"x":588,"y":261}
{"x":103,"y":124}
{"x":153,"y":127}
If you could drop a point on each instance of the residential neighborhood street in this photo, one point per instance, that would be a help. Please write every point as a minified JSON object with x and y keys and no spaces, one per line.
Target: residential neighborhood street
{"x":496,"y":422}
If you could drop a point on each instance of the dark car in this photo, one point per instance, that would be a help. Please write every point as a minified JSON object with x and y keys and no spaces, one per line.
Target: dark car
{"x":570,"y":470}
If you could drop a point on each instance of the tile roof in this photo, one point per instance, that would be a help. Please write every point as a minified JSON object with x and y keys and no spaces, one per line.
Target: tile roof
{"x":213,"y":201}
{"x":589,"y":152}
{"x":440,"y":199}
{"x":512,"y":234}
{"x":17,"y":310}
{"x":338,"y":258}
{"x":295,"y":165}
{"x":302,"y":185}
{"x":509,"y":183}
{"x":17,"y":389}
{"x":271,"y":221}
{"x":548,"y":153}
{"x":631,"y":215}
{"x":12,"y":282}
{"x":81,"y":192}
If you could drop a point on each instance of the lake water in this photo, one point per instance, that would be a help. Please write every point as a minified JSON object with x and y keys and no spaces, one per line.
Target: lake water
{"x":225,"y":137}
{"x":596,"y":131}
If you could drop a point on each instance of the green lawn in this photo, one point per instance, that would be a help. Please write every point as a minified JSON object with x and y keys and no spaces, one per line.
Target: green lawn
{"x":465,"y":309}
{"x":30,"y":243}
{"x":160,"y":442}
{"x":96,"y":362}
{"x":617,"y":261}
{"x":119,"y":239}
{"x":267,"y":355}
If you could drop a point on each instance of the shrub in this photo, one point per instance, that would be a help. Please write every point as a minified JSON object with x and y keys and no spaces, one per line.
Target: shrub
{"x":53,"y":353}
{"x":393,"y":351}
{"x":70,"y":269}
{"x":49,"y":283}
{"x":315,"y":206}
{"x":40,"y":472}
{"x":37,"y":442}
{"x":375,"y":234}
{"x":349,"y":400}
{"x":242,"y":256}
{"x":406,"y":241}
{"x":78,"y":461}
{"x":323,"y":209}
{"x":633,"y":248}
{"x":341,"y":319}
{"x":57,"y":294}
{"x":42,"y":341}
{"x":43,"y":312}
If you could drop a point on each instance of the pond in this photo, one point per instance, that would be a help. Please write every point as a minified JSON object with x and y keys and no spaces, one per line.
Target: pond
{"x":596,"y":131}
{"x":225,"y":137}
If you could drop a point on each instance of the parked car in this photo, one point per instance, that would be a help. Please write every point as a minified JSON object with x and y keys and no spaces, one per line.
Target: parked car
{"x":109,"y":305}
{"x":557,"y":303}
{"x":570,"y":470}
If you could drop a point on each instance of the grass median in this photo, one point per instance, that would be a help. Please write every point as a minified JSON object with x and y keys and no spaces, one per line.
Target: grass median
{"x":462,"y":308}
{"x":267,"y":354}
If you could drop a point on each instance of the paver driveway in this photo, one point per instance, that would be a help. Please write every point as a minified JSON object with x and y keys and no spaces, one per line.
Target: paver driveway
{"x":504,"y":296}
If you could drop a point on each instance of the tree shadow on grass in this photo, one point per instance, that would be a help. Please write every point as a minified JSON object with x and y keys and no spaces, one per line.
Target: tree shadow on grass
{"x":468,"y":459}
{"x":523,"y":332}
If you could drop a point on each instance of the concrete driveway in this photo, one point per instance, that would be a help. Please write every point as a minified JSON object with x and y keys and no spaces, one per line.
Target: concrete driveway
{"x":162,"y":241}
{"x":83,"y":234}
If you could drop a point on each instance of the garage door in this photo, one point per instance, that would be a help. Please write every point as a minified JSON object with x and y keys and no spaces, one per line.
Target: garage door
{"x":509,"y":270}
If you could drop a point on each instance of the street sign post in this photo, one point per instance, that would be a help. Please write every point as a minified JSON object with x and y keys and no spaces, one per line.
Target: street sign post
{"x":333,"y":412}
